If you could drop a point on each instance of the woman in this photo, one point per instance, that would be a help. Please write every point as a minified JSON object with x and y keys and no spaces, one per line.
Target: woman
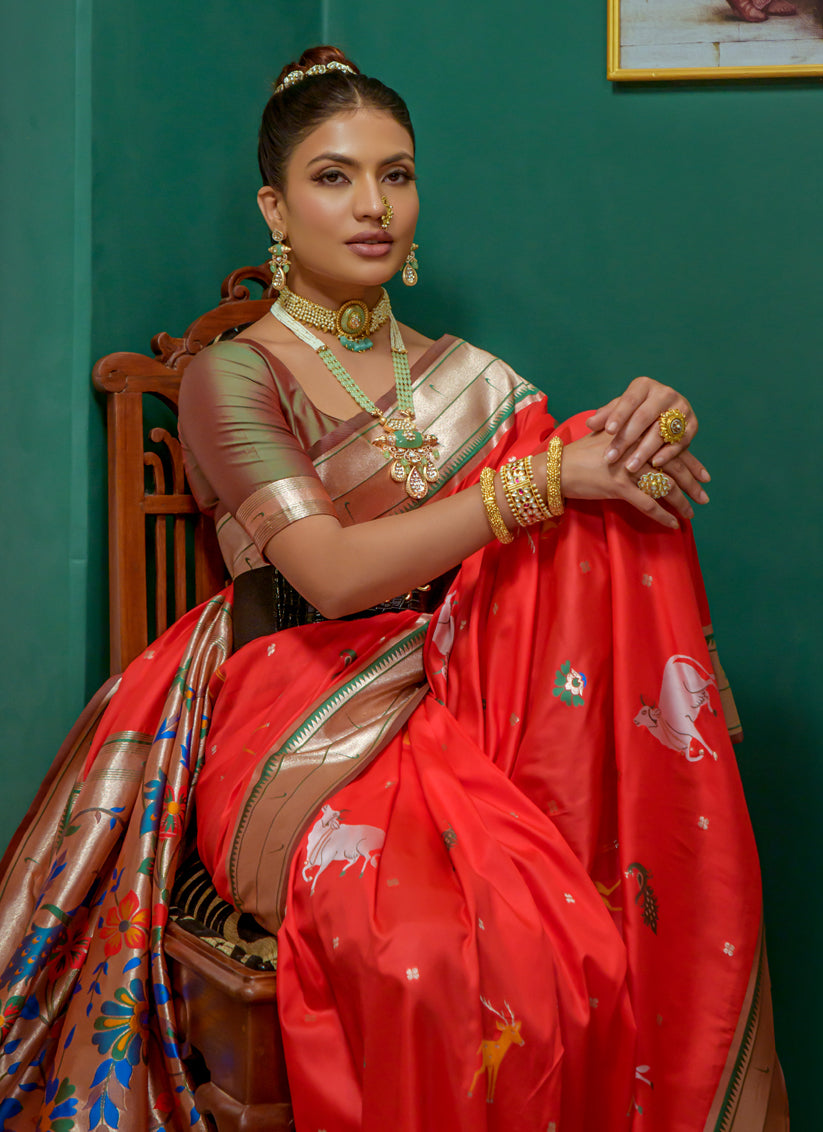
{"x":451,"y":803}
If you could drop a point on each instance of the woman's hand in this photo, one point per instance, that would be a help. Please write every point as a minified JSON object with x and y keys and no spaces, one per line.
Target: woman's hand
{"x":633,"y":426}
{"x":586,"y":475}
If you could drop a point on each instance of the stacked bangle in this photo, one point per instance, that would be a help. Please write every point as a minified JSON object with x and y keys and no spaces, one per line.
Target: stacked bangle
{"x":554,"y":459}
{"x":499,"y":529}
{"x":515,"y":479}
{"x":537,"y":498}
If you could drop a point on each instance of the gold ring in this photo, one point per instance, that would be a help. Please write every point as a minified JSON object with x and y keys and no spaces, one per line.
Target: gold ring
{"x":672,"y":426}
{"x":655,"y":484}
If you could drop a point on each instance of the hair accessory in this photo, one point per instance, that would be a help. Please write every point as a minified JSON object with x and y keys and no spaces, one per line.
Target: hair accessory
{"x":554,"y":462}
{"x":655,"y":484}
{"x":499,"y":529}
{"x":385,"y":219}
{"x":412,"y":452}
{"x":672,"y":426}
{"x":279,"y":262}
{"x":352,"y":323}
{"x":318,"y":69}
{"x":410,"y":267}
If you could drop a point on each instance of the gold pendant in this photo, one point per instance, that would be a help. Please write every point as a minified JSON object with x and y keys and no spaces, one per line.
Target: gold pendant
{"x":412,"y":454}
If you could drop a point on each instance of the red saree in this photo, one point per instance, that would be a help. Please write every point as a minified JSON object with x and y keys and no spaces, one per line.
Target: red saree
{"x":507,"y":841}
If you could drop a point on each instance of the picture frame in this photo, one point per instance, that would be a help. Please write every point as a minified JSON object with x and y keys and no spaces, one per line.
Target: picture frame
{"x":655,"y":40}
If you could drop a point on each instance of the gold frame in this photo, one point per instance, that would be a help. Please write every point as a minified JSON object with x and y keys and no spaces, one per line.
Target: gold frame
{"x":616,"y":73}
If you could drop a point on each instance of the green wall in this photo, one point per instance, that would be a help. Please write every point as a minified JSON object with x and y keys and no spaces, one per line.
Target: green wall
{"x":589,"y":232}
{"x":127,"y":148}
{"x":585,"y":231}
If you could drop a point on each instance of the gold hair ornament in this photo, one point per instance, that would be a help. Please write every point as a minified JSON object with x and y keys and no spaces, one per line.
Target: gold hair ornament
{"x":318,"y":69}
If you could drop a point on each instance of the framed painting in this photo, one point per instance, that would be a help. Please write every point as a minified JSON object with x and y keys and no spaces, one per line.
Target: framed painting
{"x":714,"y":39}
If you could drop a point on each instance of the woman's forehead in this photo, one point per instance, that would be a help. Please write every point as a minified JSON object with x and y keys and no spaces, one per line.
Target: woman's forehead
{"x":365,"y":135}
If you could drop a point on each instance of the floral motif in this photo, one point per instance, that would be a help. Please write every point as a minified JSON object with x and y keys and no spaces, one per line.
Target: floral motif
{"x":122,"y":1022}
{"x":70,"y":954}
{"x":32,"y":954}
{"x":412,"y":973}
{"x":728,"y":949}
{"x":174,"y":807}
{"x":128,"y":922}
{"x":61,"y":1107}
{"x":569,"y":684}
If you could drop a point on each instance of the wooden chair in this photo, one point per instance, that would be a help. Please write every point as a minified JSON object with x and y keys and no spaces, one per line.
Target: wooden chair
{"x":226,"y":1011}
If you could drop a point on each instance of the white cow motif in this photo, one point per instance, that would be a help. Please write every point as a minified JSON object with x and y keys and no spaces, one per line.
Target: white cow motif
{"x":684,"y":692}
{"x":332,"y":840}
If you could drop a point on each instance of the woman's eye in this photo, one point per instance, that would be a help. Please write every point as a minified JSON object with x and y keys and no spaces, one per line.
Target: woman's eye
{"x":331,"y":177}
{"x":399,"y":176}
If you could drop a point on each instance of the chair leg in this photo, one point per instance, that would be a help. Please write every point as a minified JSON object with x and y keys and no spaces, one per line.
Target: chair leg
{"x":231,"y":1116}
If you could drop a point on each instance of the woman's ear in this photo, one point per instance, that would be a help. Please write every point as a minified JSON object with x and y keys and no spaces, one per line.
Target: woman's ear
{"x":270,"y":202}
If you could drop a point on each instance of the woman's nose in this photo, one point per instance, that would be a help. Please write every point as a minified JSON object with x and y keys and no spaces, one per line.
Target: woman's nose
{"x":369,"y":203}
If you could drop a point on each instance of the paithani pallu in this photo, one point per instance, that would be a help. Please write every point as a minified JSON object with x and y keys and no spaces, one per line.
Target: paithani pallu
{"x":505,"y":845}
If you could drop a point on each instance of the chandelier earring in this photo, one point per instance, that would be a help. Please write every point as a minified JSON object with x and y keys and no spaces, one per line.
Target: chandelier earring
{"x":410,"y":267}
{"x":279,"y":262}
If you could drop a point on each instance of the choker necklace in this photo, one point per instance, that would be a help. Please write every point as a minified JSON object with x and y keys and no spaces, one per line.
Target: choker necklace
{"x":412,"y":453}
{"x":352,"y":323}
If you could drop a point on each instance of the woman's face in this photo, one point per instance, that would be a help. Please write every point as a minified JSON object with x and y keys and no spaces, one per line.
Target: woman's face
{"x":331,"y":207}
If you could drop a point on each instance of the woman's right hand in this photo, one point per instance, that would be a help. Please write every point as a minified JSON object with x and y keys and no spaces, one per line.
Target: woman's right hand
{"x":586,"y":475}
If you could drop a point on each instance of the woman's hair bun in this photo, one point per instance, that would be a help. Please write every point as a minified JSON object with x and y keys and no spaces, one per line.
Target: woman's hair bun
{"x":316,"y":57}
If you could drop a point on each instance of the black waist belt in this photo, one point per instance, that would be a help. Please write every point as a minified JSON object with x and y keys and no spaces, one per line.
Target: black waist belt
{"x":265,"y":602}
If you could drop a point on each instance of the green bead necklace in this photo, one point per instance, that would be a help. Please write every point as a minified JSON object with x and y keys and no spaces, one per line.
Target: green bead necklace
{"x":412,"y":453}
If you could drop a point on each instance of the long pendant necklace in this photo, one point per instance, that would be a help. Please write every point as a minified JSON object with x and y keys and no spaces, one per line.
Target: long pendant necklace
{"x":412,"y":453}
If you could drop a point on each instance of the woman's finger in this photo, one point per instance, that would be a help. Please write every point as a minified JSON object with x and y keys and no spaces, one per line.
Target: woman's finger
{"x":627,"y":404}
{"x":597,"y":421}
{"x":647,"y":399}
{"x":695,"y":466}
{"x":652,"y":447}
{"x":682,"y":474}
{"x":648,"y":506}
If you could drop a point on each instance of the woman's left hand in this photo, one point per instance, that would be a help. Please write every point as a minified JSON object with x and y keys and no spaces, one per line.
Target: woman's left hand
{"x":634,"y":418}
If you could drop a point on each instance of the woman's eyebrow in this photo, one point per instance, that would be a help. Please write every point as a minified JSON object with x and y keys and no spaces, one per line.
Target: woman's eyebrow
{"x":341,"y":159}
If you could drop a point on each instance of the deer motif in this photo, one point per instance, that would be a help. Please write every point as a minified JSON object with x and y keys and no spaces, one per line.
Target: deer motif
{"x":493,"y":1052}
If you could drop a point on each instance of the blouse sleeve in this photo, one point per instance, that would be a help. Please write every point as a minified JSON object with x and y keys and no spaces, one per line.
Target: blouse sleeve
{"x":238,"y":448}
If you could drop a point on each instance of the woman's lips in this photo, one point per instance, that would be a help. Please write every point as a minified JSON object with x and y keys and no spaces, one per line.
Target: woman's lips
{"x":370,"y":245}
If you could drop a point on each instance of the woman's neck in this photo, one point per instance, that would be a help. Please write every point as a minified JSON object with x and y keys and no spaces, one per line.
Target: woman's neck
{"x":328,"y":292}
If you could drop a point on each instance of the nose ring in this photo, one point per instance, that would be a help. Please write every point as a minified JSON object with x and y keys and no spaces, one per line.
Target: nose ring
{"x":385,"y":219}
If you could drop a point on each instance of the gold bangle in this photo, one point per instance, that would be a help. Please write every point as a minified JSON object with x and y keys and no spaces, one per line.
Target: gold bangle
{"x":499,"y":529}
{"x":514,"y":475}
{"x":537,"y":499}
{"x":554,"y":459}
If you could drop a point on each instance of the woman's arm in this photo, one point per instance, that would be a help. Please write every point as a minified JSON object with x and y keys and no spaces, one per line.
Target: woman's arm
{"x":238,"y":443}
{"x":342,"y":570}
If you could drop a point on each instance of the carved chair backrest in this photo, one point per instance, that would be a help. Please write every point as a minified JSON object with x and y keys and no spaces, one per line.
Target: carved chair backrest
{"x":149,"y":496}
